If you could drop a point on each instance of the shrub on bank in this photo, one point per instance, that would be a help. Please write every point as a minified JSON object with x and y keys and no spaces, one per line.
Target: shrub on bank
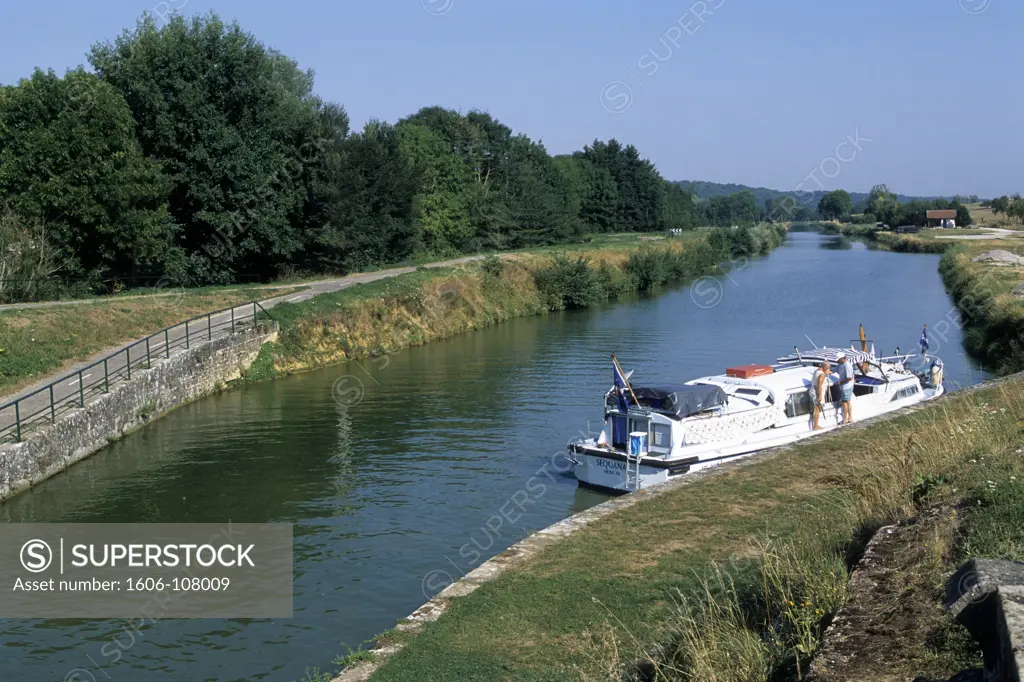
{"x":568,"y":283}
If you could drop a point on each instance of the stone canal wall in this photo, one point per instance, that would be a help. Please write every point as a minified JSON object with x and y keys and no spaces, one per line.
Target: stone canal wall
{"x":148,"y":395}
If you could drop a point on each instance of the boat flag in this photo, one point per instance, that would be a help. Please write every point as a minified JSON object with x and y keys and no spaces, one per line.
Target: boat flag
{"x":621,"y":386}
{"x":924,"y":340}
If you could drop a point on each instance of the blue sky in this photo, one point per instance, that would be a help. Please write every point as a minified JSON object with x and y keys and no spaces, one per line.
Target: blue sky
{"x":759,"y":93}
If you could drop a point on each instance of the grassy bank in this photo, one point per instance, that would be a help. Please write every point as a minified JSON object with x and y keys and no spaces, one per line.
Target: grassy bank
{"x":733,"y":577}
{"x":921,"y":242}
{"x":36,"y":341}
{"x":414,"y":309}
{"x":993,"y":317}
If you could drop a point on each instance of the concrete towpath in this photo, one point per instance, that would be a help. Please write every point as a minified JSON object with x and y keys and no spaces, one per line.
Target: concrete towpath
{"x":84,"y":381}
{"x":990,"y":233}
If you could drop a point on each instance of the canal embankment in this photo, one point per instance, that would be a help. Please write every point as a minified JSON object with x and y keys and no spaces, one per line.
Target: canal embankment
{"x":735,"y":575}
{"x":168,"y":383}
{"x":417,"y":308}
{"x":989,"y":294}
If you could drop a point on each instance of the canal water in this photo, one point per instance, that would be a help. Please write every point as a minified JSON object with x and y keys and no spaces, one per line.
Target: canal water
{"x":402,"y":473}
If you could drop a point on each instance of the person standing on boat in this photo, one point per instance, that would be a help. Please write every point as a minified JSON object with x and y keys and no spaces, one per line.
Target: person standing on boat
{"x":845,"y":371}
{"x":819,"y":382}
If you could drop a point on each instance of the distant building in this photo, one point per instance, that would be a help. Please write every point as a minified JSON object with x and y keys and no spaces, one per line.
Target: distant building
{"x":943,"y":217}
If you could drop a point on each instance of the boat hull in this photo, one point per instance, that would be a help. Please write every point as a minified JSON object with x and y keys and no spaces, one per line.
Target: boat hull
{"x":605,"y":469}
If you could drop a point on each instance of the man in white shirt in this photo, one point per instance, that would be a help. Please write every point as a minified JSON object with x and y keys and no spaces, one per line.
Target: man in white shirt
{"x":845,"y":370}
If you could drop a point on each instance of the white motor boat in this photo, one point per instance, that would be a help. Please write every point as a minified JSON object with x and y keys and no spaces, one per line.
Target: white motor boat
{"x":656,"y":432}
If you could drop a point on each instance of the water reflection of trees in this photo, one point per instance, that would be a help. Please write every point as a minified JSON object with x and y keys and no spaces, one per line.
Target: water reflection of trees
{"x":838,"y":243}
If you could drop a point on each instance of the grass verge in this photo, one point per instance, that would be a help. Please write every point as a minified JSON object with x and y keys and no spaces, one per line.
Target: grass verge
{"x":733,"y":577}
{"x":36,"y":341}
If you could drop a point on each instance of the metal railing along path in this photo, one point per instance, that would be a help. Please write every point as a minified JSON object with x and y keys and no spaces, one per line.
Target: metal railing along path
{"x":70,"y":392}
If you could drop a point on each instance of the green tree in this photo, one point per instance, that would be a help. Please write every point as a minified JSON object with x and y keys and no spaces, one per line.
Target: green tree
{"x":640,"y":188}
{"x":881,"y":203}
{"x":745,"y":209}
{"x":540,"y":200}
{"x":471,"y":155}
{"x":678,"y":208}
{"x":1001,"y":205}
{"x":835,"y":204}
{"x":1015,"y":208}
{"x":593,"y":192}
{"x":369,"y":206}
{"x":963,"y":215}
{"x":69,"y":160}
{"x":234,"y":126}
{"x":441,"y":204}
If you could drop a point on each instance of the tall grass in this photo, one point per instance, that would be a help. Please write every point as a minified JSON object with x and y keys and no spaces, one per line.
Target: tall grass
{"x":762,"y":619}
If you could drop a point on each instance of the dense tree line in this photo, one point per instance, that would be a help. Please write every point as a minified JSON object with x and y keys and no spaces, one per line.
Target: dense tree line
{"x":193,"y":152}
{"x":726,"y":210}
{"x":742,"y":208}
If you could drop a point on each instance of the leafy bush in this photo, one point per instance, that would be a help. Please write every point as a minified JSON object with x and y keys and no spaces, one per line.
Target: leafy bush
{"x":492,"y":266}
{"x":568,"y":283}
{"x":613,"y":281}
{"x":649,"y":267}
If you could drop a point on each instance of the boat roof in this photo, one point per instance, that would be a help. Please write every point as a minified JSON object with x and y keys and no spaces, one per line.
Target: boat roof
{"x":781,"y":380}
{"x":828,"y":354}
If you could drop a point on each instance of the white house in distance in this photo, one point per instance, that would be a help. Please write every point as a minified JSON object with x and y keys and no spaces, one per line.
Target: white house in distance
{"x":946,"y":218}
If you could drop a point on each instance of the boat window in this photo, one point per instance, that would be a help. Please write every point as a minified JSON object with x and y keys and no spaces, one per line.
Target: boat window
{"x":798,"y":404}
{"x":860,"y":389}
{"x":638,"y":425}
{"x":661,"y":436}
{"x":905,"y":392}
{"x":749,"y":391}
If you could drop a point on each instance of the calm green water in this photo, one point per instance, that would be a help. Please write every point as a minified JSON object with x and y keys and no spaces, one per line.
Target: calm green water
{"x":393,"y":478}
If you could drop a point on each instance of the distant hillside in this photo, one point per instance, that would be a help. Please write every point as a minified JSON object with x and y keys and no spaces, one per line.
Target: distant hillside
{"x":706,"y":190}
